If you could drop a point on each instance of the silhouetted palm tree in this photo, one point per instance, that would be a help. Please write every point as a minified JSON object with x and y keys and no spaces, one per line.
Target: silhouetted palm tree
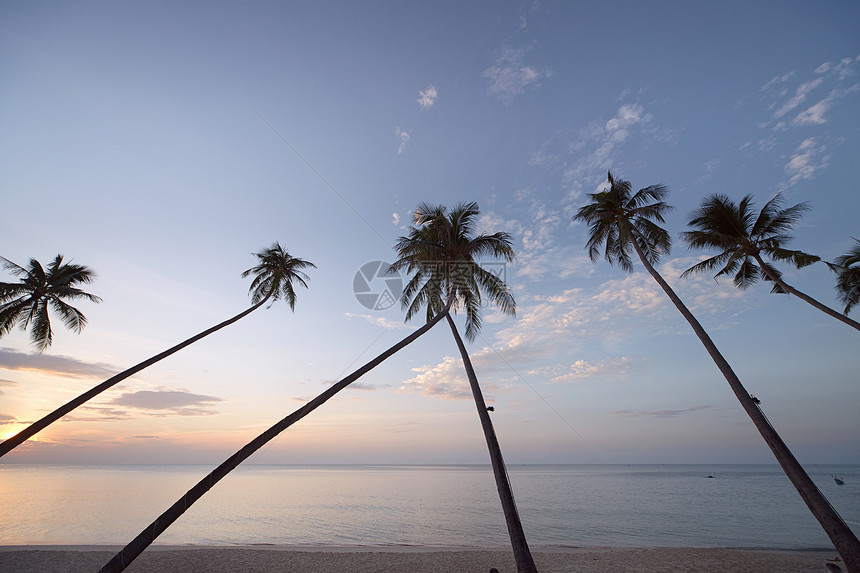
{"x":620,"y":221}
{"x":26,"y":302}
{"x":143,"y":540}
{"x":441,"y":252}
{"x":847,"y":269}
{"x":744,"y":239}
{"x":273,"y":277}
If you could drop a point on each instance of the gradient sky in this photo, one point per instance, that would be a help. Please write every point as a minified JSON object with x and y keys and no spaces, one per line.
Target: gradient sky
{"x":162,"y":143}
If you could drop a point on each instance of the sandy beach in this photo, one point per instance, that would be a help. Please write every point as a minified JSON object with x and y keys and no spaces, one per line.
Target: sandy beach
{"x":266,"y":559}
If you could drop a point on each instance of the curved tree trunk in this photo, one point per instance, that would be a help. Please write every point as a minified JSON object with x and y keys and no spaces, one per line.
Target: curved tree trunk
{"x":124,"y":558}
{"x":522,"y":555}
{"x":837,"y":530}
{"x":39,"y":425}
{"x":791,"y":290}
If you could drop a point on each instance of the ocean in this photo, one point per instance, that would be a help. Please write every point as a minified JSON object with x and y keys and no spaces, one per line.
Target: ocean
{"x":749,"y":506}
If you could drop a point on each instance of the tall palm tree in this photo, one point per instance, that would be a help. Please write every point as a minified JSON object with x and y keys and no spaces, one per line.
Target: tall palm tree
{"x":273,"y":277}
{"x":143,"y":540}
{"x":441,"y":251}
{"x":847,"y":269}
{"x":26,"y":302}
{"x":744,"y":239}
{"x":620,"y":221}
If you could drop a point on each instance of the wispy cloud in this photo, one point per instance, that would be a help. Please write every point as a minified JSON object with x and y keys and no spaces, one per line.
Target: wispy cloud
{"x":395,"y":219}
{"x":609,"y":368}
{"x":509,"y":76}
{"x":402,"y":139}
{"x":379,"y":321}
{"x":603,"y":139}
{"x":60,"y":365}
{"x":659,"y":413}
{"x":7,"y":384}
{"x":792,"y":120}
{"x":798,"y":98}
{"x":4,"y":419}
{"x":427,"y":98}
{"x":546,"y":344}
{"x":160,"y":402}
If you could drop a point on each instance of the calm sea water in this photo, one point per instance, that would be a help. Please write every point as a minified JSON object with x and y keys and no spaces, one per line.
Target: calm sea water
{"x":622,"y":506}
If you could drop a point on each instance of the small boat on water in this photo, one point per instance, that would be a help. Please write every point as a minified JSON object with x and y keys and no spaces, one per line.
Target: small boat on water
{"x":838,"y":480}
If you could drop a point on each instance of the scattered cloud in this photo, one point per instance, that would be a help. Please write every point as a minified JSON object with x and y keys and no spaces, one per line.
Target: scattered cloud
{"x":446,"y":380}
{"x":4,"y":419}
{"x":60,"y":365}
{"x":814,"y":115}
{"x":402,"y":140}
{"x":145,"y":437}
{"x":509,"y":76}
{"x":166,"y":401}
{"x":659,"y":413}
{"x":395,"y":219}
{"x":427,"y":98}
{"x":806,"y":160}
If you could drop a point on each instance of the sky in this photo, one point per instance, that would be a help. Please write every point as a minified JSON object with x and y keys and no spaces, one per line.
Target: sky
{"x":163,"y":143}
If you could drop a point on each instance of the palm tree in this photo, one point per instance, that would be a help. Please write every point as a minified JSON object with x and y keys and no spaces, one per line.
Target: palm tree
{"x":847,"y":269}
{"x":744,"y":239}
{"x":273,"y":277}
{"x":26,"y":303}
{"x":143,"y":540}
{"x":621,"y":221}
{"x":441,"y":250}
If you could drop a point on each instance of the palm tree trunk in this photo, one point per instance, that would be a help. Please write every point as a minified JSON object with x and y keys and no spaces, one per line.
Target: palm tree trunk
{"x":837,"y":530}
{"x":522,"y":555}
{"x":39,"y":425}
{"x":791,"y":290}
{"x":122,"y":559}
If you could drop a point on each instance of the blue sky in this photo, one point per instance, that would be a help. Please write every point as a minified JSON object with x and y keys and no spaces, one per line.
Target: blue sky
{"x":162,"y":144}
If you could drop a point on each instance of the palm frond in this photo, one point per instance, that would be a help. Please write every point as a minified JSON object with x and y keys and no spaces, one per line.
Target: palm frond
{"x":747,"y":275}
{"x":847,"y":269}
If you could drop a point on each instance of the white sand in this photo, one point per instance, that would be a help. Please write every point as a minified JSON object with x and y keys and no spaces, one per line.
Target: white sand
{"x":265,"y":559}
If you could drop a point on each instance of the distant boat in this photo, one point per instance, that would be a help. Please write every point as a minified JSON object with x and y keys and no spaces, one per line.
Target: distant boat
{"x":838,"y":480}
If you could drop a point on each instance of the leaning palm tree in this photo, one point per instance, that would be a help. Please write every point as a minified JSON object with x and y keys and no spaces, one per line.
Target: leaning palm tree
{"x":145,"y":538}
{"x":273,"y":280}
{"x":441,"y":251}
{"x":847,"y":269}
{"x":620,"y":221}
{"x":744,"y":239}
{"x":26,"y":302}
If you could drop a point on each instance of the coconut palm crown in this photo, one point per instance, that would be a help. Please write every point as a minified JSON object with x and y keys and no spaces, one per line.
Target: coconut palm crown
{"x":274,"y":275}
{"x":441,"y":252}
{"x":26,"y":302}
{"x":617,"y":218}
{"x":744,"y":238}
{"x":847,"y":269}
